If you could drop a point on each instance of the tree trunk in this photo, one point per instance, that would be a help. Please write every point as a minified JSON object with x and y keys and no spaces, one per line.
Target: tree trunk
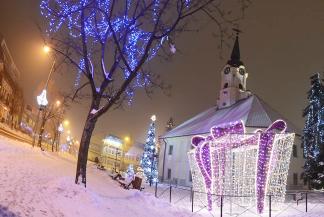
{"x":58,"y":141}
{"x":42,"y":129}
{"x":83,"y":150}
{"x":54,"y":141}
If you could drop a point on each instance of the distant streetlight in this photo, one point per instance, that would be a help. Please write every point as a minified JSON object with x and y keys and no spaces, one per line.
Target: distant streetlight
{"x":58,"y":103}
{"x":60,"y":128}
{"x":66,"y":123}
{"x":126,"y":139}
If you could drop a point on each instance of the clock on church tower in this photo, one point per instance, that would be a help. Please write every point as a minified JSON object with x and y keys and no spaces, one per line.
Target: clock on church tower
{"x":233,"y":79}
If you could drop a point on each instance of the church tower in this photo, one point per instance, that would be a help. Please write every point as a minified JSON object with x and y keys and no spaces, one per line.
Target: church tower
{"x":233,"y":79}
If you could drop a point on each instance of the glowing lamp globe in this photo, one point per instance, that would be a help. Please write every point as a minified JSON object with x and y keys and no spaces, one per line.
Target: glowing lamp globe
{"x":153,"y":118}
{"x":46,"y":49}
{"x":41,"y":99}
{"x":60,"y":128}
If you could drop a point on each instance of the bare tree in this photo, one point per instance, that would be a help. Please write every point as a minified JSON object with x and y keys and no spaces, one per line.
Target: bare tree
{"x":53,"y":113}
{"x":110,"y":43}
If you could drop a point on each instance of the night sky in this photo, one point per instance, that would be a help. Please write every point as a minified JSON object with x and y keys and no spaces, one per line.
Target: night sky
{"x":282,"y":45}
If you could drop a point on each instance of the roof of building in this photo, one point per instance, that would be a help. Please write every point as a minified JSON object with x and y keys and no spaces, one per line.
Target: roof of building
{"x":253,"y":111}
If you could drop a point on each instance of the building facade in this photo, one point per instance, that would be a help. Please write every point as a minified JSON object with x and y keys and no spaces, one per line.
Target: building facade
{"x":235,"y":103}
{"x":114,"y":154}
{"x":11,"y":96}
{"x":28,"y":120}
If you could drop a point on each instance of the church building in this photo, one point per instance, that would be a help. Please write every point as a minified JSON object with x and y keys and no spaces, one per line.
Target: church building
{"x":234,"y":103}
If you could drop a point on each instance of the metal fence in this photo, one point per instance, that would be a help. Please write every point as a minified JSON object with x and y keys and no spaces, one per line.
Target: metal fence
{"x":296,"y":202}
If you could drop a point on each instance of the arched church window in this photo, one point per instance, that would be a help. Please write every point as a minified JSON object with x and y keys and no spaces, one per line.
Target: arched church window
{"x":241,"y":71}
{"x":227,"y":70}
{"x":226,"y":85}
{"x":241,"y":86}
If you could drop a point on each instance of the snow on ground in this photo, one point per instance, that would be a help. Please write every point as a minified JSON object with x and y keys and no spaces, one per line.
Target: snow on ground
{"x":232,"y":208}
{"x":35,"y":183}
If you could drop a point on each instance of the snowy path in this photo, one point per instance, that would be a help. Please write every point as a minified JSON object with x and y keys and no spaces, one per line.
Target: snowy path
{"x":35,"y":183}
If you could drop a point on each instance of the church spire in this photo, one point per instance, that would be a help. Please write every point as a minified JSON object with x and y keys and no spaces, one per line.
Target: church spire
{"x":235,"y":60}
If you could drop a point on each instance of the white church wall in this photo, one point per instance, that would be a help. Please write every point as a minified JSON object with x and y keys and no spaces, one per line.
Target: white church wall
{"x":295,"y":180}
{"x":176,"y":162}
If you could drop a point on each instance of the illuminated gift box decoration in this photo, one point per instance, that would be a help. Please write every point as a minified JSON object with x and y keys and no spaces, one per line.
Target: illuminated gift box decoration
{"x":249,"y":166}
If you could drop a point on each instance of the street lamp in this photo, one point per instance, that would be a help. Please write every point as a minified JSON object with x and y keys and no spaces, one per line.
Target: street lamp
{"x":60,"y":130}
{"x":66,"y":123}
{"x":42,"y":99}
{"x":126,"y":139}
{"x":58,"y":103}
{"x":42,"y":103}
{"x":46,"y":49}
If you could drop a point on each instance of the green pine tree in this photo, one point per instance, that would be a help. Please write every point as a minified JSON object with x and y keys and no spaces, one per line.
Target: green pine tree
{"x":313,"y":134}
{"x":149,"y":158}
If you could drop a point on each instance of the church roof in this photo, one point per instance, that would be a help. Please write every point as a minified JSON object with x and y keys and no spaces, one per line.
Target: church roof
{"x":253,"y":111}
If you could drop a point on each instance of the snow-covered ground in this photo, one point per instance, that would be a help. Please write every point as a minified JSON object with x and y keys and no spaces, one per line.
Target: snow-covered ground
{"x":35,"y":183}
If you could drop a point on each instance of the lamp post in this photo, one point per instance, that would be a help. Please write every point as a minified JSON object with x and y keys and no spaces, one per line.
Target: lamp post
{"x":42,"y":99}
{"x":42,"y":103}
{"x":60,"y":130}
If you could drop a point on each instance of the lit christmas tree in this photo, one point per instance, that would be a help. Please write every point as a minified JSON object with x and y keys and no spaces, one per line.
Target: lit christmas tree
{"x":149,"y":158}
{"x":313,"y":134}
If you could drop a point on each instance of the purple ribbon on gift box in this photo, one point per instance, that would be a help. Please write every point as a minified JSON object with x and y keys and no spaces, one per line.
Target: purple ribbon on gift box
{"x":212,"y":167}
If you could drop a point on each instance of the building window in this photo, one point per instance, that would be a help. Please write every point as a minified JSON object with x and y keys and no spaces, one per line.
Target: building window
{"x":294,"y":150}
{"x":170,"y":149}
{"x":169,"y":173}
{"x":303,"y":177}
{"x":295,"y":178}
{"x":305,"y":181}
{"x":225,"y":85}
{"x":190,"y":176}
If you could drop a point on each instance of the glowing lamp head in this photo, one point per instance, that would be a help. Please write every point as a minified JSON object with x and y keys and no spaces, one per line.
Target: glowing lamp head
{"x":41,"y":99}
{"x":126,"y":139}
{"x":153,"y":118}
{"x":66,"y":122}
{"x":46,"y":49}
{"x":60,"y":128}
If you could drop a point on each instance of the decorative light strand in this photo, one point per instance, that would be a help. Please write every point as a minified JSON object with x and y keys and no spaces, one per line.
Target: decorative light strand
{"x":228,"y":161}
